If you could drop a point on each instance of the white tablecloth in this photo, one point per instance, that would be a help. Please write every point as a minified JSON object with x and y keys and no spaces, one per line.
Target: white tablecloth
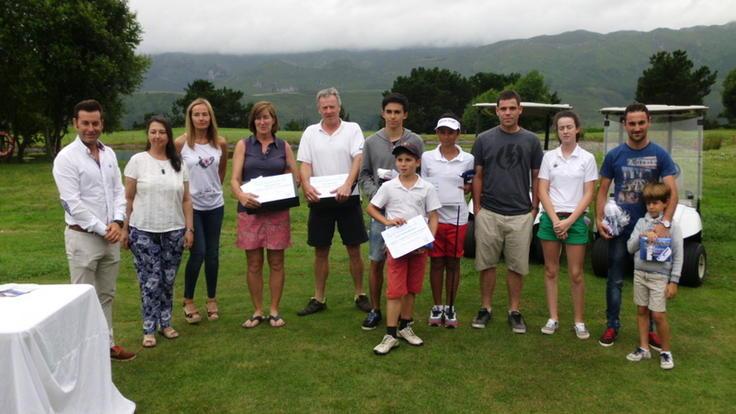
{"x":55,"y":353}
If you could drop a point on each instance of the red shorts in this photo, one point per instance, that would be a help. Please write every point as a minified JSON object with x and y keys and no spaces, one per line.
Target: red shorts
{"x":449,"y":241}
{"x":405,"y":274}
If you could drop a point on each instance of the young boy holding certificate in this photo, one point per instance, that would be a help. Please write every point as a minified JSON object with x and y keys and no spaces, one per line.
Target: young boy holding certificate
{"x":403,"y":198}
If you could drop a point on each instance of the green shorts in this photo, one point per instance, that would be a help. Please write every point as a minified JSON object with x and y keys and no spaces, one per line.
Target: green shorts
{"x":577,"y":234}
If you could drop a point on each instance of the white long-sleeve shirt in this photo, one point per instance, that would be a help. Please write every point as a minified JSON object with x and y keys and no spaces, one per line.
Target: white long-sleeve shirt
{"x":92,"y":194}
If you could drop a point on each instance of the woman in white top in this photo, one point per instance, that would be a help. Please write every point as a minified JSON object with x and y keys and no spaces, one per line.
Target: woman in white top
{"x":204,"y":152}
{"x":566,"y":183}
{"x":158,"y":224}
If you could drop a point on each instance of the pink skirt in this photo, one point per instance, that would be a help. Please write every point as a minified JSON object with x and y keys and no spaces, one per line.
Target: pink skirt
{"x":265,"y":230}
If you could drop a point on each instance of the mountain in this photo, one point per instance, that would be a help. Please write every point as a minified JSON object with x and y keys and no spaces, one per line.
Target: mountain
{"x":588,"y":70}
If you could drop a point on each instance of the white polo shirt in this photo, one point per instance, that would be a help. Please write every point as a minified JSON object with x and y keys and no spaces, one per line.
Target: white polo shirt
{"x":406,"y":203}
{"x":435,"y":165}
{"x":567,"y":177}
{"x":331,"y":154}
{"x":91,"y":193}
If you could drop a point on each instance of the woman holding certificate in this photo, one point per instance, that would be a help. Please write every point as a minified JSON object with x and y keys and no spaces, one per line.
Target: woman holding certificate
{"x":262,"y":155}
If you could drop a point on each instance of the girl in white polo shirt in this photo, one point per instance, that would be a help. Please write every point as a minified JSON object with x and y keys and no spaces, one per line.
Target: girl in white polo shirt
{"x":447,"y":161}
{"x":566,"y":183}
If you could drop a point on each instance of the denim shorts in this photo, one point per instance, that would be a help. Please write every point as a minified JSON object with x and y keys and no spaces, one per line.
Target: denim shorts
{"x":378,"y":246}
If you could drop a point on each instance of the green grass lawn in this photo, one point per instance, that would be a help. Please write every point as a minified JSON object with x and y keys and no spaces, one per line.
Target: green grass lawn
{"x":324,"y":362}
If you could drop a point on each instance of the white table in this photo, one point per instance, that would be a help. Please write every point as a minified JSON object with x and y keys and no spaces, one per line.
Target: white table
{"x":55,"y":353}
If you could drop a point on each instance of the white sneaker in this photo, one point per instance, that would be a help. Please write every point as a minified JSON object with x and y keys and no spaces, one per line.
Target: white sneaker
{"x":581,"y":331}
{"x":450,"y":317}
{"x":666,"y":361}
{"x":550,"y":327}
{"x":387,"y":344}
{"x":436,"y":315}
{"x":639,"y":354}
{"x":410,"y":337}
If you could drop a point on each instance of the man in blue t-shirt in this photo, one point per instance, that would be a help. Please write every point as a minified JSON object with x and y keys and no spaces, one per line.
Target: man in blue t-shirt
{"x":631,"y":166}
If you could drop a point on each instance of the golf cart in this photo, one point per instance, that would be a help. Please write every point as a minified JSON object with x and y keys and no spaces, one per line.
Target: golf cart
{"x":530,"y":110}
{"x":679,"y":130}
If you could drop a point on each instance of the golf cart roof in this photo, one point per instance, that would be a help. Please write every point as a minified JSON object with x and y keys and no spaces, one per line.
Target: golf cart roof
{"x":660,"y":109}
{"x":532,"y":108}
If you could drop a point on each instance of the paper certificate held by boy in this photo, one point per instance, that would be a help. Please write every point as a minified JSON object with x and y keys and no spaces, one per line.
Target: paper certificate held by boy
{"x":408,"y":237}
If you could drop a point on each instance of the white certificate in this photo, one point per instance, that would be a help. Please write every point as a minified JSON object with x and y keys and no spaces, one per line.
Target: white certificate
{"x":271,"y":188}
{"x":403,"y":239}
{"x":326,"y":184}
{"x":449,"y":189}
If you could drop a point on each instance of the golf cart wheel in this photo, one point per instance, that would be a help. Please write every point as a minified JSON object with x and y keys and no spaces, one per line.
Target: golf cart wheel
{"x":600,"y":257}
{"x":536,"y":254}
{"x":694,"y":263}
{"x":469,"y":242}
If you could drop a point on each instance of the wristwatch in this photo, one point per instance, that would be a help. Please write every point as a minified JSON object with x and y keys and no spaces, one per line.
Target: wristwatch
{"x":666,"y":224}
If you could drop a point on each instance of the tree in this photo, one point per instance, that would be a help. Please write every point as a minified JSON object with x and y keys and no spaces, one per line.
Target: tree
{"x":229,"y":110}
{"x":729,"y":97}
{"x":432,"y":92}
{"x":482,"y":82}
{"x":672,"y":80}
{"x":531,"y":87}
{"x":54,"y":54}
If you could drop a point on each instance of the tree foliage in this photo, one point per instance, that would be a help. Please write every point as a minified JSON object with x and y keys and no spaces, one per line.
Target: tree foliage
{"x":531,"y":87}
{"x":729,"y":97}
{"x":671,"y":79}
{"x":229,"y":110}
{"x":432,"y":92}
{"x":54,"y":54}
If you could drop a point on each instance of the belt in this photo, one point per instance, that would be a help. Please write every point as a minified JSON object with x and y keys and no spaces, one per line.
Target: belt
{"x":76,"y":227}
{"x":563,"y":215}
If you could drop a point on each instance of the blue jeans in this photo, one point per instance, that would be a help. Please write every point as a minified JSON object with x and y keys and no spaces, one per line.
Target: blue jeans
{"x":206,"y":248}
{"x":618,"y":262}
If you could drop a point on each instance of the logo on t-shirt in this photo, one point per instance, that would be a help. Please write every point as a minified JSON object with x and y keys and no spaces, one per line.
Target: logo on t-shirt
{"x":206,"y":162}
{"x":510,"y":156}
{"x":636,"y":174}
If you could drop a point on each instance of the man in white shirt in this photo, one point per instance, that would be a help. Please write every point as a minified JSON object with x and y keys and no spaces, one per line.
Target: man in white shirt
{"x":332,"y":147}
{"x":91,"y":190}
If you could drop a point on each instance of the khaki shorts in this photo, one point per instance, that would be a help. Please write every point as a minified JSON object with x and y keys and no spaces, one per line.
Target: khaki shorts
{"x":496,"y":234}
{"x":649,"y":290}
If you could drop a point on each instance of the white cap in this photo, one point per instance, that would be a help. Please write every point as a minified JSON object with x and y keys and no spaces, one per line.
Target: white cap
{"x":448,"y":123}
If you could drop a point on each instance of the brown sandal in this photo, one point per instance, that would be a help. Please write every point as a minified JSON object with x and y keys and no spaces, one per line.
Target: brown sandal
{"x":212,"y":313}
{"x":191,"y":314}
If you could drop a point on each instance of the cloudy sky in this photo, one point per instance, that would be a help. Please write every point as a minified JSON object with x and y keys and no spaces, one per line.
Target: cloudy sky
{"x":272,"y":26}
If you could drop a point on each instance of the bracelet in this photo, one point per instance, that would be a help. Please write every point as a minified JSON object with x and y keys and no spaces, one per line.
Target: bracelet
{"x":190,"y":229}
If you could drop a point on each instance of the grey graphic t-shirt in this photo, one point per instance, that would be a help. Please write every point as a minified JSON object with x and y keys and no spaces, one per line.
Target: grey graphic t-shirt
{"x":507,"y":161}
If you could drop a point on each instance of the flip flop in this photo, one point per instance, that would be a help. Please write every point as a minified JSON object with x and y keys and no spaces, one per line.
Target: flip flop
{"x":276,"y":321}
{"x":149,"y":341}
{"x":254,"y":320}
{"x":169,"y":333}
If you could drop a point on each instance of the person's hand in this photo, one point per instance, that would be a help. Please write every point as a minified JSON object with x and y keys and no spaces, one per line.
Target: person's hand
{"x":651,"y":237}
{"x":562,"y":226}
{"x":661,"y":231}
{"x":398,"y":221}
{"x":112,"y":233}
{"x":342,"y":192}
{"x":671,"y":290}
{"x":602,"y":229}
{"x":124,"y":239}
{"x":534,"y":212}
{"x":310,"y":193}
{"x":249,"y":200}
{"x":188,"y":239}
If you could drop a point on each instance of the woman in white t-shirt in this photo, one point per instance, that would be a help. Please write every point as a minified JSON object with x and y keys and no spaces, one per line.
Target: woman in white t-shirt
{"x":566,"y":183}
{"x":158,"y":225}
{"x":204,"y":152}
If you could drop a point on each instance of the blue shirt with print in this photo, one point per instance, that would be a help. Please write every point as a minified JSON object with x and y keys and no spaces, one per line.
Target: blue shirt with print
{"x":631,"y":170}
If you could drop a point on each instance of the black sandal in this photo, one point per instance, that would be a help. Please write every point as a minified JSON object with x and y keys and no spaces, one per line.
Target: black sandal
{"x":276,"y":321}
{"x":257,"y":319}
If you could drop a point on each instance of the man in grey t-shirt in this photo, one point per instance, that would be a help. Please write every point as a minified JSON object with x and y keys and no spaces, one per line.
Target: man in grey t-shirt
{"x":507,"y":161}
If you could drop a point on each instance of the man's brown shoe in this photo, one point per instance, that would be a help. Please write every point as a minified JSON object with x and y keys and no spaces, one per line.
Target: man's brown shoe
{"x":118,"y":353}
